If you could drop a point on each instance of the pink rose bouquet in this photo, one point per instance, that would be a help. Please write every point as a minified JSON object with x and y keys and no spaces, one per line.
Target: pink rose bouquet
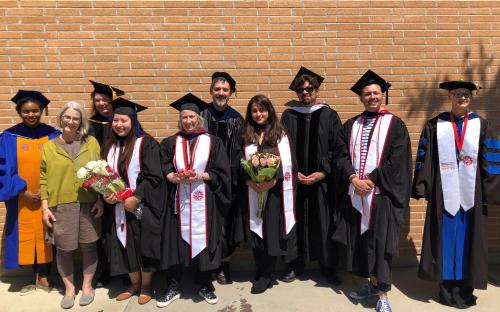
{"x":261,"y":167}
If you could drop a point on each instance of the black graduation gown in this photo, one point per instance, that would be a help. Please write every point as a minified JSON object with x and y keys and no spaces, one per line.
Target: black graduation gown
{"x":99,"y":127}
{"x":174,"y":249}
{"x":427,"y":184}
{"x":228,"y":126}
{"x":313,"y":137}
{"x":144,"y":236}
{"x":275,"y":241}
{"x":371,"y":254}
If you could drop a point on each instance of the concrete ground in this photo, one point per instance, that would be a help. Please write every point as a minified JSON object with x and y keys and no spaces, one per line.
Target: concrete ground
{"x":310,"y":293}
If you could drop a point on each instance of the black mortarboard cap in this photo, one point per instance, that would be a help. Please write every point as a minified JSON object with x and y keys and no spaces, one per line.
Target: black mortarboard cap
{"x":110,"y":91}
{"x":370,"y":77}
{"x":458,"y":84}
{"x":189,"y":102}
{"x":126,"y":107}
{"x":304,"y":71}
{"x":35,"y":95}
{"x":226,"y":77}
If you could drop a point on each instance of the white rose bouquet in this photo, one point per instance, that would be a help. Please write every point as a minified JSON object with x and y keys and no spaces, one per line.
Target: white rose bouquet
{"x":97,"y":175}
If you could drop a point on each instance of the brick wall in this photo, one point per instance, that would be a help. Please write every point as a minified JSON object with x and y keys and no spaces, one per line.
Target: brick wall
{"x":156,"y":51}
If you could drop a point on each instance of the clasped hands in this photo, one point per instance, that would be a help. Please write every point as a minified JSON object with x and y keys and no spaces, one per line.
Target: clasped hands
{"x":260,"y":187}
{"x":362,"y":187}
{"x":312,"y":178}
{"x":187,"y":176}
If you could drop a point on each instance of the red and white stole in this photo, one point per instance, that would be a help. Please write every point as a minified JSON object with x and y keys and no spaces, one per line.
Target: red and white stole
{"x":287,"y":189}
{"x":132,"y":173}
{"x":376,"y":145}
{"x":458,"y":180}
{"x":190,"y":200}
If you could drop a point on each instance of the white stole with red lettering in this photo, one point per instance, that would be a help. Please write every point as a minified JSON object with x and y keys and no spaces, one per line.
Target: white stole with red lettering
{"x":132,"y":173}
{"x":287,"y":190}
{"x":376,"y":145}
{"x":191,"y":200}
{"x":458,"y":180}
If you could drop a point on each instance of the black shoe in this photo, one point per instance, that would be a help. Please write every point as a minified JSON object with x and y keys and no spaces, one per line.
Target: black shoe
{"x":458,"y":301}
{"x":170,"y":295}
{"x":333,"y":278}
{"x":288,"y":277}
{"x":261,"y":285}
{"x":207,"y":294}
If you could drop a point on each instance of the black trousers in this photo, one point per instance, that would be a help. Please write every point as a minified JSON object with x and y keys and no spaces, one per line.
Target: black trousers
{"x":266,"y":265}
{"x":42,"y":269}
{"x":175,"y":272}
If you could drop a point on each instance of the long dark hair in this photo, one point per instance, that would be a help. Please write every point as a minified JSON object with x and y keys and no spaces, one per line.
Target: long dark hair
{"x":128,"y":145}
{"x":272,"y":130}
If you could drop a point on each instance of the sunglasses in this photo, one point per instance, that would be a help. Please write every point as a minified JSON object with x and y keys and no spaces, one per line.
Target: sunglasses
{"x":459,"y":95}
{"x":308,"y":89}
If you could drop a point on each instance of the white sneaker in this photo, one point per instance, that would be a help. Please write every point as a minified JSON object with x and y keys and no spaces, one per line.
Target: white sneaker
{"x":383,"y":306}
{"x":209,"y":296}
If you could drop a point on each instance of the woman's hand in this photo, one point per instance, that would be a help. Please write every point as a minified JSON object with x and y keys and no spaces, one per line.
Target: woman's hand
{"x":111,"y":199}
{"x":130,"y":204}
{"x":98,"y":208}
{"x":199,"y":176}
{"x":260,"y":187}
{"x":48,"y":218}
{"x":31,"y":197}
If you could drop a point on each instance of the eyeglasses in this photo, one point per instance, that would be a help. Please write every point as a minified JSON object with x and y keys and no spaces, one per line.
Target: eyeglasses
{"x":69,"y":118}
{"x":459,"y":95}
{"x":308,"y":89}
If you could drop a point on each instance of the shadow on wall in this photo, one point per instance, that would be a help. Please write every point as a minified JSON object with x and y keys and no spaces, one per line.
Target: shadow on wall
{"x":432,"y":102}
{"x":435,"y":101}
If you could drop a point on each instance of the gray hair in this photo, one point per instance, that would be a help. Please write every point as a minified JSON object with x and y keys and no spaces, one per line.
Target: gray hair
{"x":201,"y":123}
{"x":83,"y":129}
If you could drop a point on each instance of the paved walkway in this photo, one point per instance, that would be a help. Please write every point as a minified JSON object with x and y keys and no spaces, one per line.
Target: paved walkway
{"x":311,"y":293}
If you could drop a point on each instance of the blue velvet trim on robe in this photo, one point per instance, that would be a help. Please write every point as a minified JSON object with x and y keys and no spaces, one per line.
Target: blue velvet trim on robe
{"x":492,"y":143}
{"x":494,"y":157}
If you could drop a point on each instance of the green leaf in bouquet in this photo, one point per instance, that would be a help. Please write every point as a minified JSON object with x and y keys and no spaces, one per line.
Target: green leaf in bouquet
{"x":266,"y":174}
{"x":249,"y":169}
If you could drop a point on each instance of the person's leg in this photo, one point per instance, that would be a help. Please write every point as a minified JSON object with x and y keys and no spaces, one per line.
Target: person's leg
{"x":146,"y":294}
{"x":205,"y":282}
{"x":135,"y":286}
{"x":172,"y":293}
{"x":266,"y":270}
{"x":89,"y":264}
{"x":65,"y":269}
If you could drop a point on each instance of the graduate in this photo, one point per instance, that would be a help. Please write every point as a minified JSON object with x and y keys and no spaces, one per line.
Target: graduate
{"x":377,"y":180}
{"x":313,"y":128}
{"x":20,"y":154}
{"x":225,"y":122}
{"x":102,"y":110}
{"x":133,"y":238}
{"x":196,"y":165}
{"x":272,"y":234}
{"x":456,"y":171}
{"x":100,"y":128}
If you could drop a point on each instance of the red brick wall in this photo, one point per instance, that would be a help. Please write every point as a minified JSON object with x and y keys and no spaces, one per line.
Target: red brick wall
{"x":156,"y":51}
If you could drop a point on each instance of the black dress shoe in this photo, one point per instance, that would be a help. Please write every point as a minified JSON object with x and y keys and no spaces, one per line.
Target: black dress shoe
{"x":261,"y":285}
{"x":334,"y":279}
{"x":288,"y":277}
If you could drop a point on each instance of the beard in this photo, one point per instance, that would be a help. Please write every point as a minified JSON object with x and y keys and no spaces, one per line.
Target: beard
{"x":220,"y":101}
